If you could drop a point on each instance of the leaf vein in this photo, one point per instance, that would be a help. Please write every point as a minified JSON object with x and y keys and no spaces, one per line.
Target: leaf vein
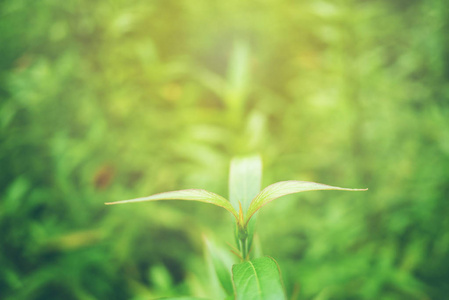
{"x":257,"y":279}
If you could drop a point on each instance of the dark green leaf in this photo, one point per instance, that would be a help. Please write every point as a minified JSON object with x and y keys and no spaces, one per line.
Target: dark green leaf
{"x":259,"y":279}
{"x":182,"y":298}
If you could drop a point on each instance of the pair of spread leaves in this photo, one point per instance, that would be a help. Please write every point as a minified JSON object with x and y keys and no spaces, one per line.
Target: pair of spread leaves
{"x":267,"y":195}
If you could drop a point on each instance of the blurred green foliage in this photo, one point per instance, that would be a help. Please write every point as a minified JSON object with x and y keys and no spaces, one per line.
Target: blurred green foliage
{"x":109,"y":100}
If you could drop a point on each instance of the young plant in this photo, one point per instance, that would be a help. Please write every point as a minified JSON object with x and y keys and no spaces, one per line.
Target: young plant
{"x":259,"y":278}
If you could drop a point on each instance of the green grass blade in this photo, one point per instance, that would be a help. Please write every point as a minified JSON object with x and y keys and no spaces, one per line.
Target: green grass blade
{"x":283,"y":188}
{"x":238,"y":79}
{"x":258,"y":279}
{"x":189,"y":195}
{"x":219,"y":263}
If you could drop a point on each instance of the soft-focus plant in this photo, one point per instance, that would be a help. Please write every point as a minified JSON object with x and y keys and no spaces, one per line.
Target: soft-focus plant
{"x":253,"y":278}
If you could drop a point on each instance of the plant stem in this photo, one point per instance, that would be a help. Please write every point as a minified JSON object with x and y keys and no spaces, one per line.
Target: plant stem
{"x":244,"y":249}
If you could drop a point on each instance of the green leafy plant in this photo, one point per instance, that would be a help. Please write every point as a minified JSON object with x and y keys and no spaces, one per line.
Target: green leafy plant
{"x":253,"y":278}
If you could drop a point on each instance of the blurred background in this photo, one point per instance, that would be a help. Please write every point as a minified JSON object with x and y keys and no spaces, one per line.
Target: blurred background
{"x":109,"y":100}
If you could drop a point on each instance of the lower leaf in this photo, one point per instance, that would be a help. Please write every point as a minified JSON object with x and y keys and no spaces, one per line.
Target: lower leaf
{"x":258,"y":279}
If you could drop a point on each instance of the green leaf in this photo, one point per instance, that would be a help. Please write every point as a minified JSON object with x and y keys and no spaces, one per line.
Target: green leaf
{"x":189,"y":195}
{"x":245,"y":176}
{"x":258,"y":279}
{"x":219,"y":263}
{"x":182,"y":298}
{"x":283,"y":188}
{"x":237,"y":78}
